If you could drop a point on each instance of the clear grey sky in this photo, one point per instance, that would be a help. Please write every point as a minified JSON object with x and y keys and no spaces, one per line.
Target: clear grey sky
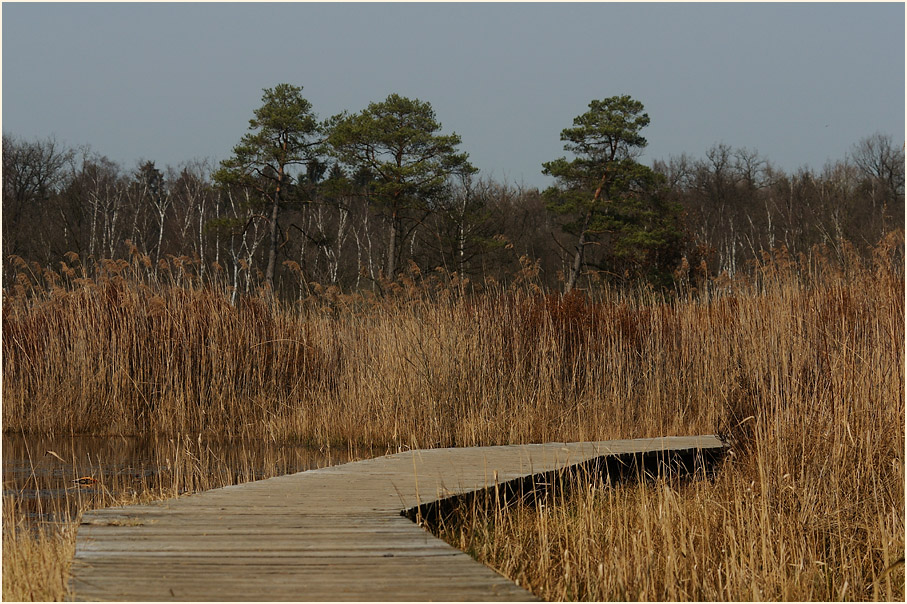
{"x":800,"y":83}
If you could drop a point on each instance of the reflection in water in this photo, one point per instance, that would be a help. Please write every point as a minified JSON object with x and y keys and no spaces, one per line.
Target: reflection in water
{"x":50,"y":478}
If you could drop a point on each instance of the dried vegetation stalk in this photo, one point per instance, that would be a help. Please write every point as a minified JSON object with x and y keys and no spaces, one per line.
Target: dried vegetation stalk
{"x":800,"y":365}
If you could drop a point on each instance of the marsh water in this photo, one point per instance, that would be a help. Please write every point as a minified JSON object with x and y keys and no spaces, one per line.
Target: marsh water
{"x":49,"y":478}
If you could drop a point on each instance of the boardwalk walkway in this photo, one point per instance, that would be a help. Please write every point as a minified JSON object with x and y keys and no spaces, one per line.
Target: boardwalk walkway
{"x":331,"y":534}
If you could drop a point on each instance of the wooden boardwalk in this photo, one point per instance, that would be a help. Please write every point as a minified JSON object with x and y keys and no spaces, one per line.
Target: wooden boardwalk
{"x":337,"y":533}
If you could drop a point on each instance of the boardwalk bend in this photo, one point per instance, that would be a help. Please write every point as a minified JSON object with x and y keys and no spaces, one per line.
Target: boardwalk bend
{"x":338,"y":533}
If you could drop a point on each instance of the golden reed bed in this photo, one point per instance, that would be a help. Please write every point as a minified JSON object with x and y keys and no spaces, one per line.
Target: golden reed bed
{"x":800,"y":365}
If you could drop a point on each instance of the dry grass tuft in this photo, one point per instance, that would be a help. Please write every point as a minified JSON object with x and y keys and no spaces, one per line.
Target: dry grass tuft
{"x":800,"y":365}
{"x":805,"y":366}
{"x":36,"y":561}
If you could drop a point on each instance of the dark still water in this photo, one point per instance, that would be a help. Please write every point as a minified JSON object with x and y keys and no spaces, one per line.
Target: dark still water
{"x":52,"y":478}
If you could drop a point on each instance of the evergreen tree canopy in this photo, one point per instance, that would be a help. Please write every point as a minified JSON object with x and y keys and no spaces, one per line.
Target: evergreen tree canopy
{"x":604,"y":196}
{"x":398,"y":142}
{"x":283,"y":133}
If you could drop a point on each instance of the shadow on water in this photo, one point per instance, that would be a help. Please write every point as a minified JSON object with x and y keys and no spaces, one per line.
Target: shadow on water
{"x":47,"y":479}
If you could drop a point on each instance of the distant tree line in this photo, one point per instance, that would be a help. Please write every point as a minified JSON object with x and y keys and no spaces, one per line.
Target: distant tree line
{"x":359,"y":199}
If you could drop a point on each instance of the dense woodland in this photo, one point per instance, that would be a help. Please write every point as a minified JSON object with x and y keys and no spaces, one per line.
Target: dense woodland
{"x":358,"y":200}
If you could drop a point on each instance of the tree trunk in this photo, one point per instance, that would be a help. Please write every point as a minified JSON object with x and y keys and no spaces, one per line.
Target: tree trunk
{"x":581,"y":244}
{"x":578,"y":258}
{"x":461,"y":237}
{"x":160,"y":235}
{"x":272,"y":249}
{"x":461,"y":251}
{"x":392,"y":249}
{"x":275,"y":212}
{"x":92,"y":240}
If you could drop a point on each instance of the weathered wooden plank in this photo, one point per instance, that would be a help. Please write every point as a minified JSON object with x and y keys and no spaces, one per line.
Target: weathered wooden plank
{"x":335,"y":533}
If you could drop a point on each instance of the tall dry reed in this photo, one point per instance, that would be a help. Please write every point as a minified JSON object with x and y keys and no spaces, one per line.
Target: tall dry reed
{"x":800,"y":364}
{"x":124,"y":353}
{"x":36,"y":560}
{"x":808,"y":364}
